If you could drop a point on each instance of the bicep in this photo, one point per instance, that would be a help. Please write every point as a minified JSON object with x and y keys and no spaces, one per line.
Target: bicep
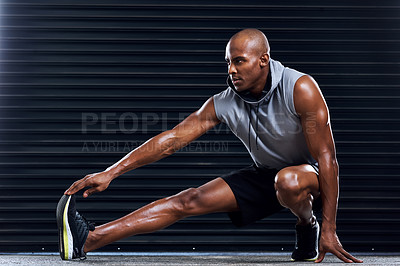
{"x":197,"y":123}
{"x":317,"y":131}
{"x":314,"y":116}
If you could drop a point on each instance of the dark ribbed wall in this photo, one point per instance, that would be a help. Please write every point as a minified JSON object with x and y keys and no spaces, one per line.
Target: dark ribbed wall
{"x":84,"y":82}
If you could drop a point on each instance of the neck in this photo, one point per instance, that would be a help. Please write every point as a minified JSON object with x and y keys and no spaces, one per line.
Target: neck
{"x":258,"y":89}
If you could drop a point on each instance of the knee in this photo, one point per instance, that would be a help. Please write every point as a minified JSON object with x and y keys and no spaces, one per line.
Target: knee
{"x":186,"y":202}
{"x":287,"y":183}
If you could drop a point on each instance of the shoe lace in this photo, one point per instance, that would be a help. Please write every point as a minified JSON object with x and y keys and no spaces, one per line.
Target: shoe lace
{"x":90,"y":225}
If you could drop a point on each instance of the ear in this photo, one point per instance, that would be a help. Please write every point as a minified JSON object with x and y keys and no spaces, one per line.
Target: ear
{"x":264,"y":60}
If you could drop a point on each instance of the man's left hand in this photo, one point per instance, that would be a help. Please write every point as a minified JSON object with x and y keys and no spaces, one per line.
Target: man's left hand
{"x":329,"y":242}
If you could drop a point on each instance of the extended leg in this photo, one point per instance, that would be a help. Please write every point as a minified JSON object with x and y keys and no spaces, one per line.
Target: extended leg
{"x":214,"y":196}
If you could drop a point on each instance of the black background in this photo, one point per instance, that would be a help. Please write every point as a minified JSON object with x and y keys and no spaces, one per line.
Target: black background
{"x":84,"y":82}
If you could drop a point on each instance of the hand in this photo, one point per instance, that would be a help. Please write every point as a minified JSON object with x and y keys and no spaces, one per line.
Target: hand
{"x":329,"y":242}
{"x":97,"y":181}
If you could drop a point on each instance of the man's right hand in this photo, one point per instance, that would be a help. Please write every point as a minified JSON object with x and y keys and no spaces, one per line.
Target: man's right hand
{"x":97,"y":183}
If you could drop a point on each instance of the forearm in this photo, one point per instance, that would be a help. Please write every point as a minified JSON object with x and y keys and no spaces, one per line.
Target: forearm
{"x":152,"y":150}
{"x":329,"y":189}
{"x":166,"y":143}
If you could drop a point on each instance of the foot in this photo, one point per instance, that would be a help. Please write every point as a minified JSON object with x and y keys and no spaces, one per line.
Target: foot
{"x":73,"y":229}
{"x":306,"y":248}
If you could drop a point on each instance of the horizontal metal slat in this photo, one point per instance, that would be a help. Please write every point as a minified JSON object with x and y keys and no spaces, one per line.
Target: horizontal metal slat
{"x":93,"y":37}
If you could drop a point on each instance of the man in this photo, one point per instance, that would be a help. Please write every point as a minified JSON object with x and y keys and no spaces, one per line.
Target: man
{"x":281,"y":117}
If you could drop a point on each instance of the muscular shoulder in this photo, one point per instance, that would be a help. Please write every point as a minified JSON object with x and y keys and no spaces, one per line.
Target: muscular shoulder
{"x":307,"y":96}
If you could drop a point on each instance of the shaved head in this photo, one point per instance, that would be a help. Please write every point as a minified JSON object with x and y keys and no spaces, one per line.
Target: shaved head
{"x":247,"y":56}
{"x":252,"y":39}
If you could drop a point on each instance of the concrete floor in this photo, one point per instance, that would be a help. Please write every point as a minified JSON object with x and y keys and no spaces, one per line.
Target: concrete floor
{"x":166,"y":259}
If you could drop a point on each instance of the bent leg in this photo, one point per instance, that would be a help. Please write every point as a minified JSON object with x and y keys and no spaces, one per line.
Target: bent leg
{"x":214,"y":196}
{"x":296,"y":188}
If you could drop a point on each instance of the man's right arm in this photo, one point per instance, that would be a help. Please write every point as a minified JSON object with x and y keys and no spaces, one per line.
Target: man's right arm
{"x":156,"y":148}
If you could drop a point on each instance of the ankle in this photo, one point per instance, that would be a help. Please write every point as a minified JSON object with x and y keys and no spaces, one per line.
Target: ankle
{"x":306,"y":221}
{"x":87,"y":247}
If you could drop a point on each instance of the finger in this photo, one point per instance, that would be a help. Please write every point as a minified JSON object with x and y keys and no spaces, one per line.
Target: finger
{"x":78,"y":185}
{"x":321,"y":257}
{"x":70,"y":189}
{"x":349,"y":256}
{"x":341,"y":256}
{"x":89,"y":192}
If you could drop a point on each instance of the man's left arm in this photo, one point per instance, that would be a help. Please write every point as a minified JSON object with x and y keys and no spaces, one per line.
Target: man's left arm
{"x":314,"y":115}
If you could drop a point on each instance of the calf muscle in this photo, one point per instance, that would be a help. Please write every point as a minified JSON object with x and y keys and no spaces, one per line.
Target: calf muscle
{"x":214,"y":196}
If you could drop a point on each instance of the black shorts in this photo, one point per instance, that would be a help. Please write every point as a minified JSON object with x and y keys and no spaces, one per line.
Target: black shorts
{"x":255,"y":194}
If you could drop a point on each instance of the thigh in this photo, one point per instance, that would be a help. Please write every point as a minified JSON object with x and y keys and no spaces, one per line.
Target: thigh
{"x":255,"y":194}
{"x":305,"y":176}
{"x":216,"y":196}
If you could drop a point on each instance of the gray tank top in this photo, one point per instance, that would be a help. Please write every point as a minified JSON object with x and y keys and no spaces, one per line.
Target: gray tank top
{"x":269,"y":126}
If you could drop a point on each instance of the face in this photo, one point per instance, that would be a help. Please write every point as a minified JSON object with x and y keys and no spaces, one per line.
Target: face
{"x":246,"y":67}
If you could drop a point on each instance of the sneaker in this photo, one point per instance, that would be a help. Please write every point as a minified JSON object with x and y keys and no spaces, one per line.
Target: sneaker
{"x":73,"y":229}
{"x":306,"y":248}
